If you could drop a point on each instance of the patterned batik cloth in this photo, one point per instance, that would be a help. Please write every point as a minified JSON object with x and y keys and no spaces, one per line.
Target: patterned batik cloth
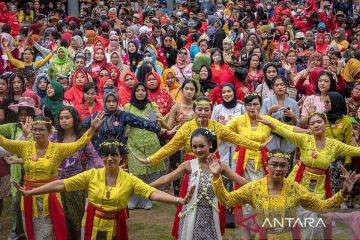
{"x":204,"y":228}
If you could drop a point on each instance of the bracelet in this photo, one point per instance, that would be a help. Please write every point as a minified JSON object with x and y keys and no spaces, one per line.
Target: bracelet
{"x":177,"y":201}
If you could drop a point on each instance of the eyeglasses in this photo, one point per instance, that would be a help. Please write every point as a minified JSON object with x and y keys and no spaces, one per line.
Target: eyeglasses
{"x":277,"y":165}
{"x":183,"y":53}
{"x":38,"y":130}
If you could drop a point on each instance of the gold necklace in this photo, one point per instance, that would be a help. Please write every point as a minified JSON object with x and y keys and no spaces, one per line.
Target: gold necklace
{"x":108,"y":192}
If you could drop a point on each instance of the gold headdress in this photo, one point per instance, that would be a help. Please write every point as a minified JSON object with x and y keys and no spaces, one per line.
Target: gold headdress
{"x":253,"y":94}
{"x":280,"y":155}
{"x":41,"y":122}
{"x":316,"y":113}
{"x":203,"y":102}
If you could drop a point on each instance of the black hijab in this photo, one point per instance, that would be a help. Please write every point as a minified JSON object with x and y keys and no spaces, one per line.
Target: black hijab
{"x":140,"y":104}
{"x":135,"y":57}
{"x":143,"y":71}
{"x":207,"y":84}
{"x":233,"y":101}
{"x":338,"y":107}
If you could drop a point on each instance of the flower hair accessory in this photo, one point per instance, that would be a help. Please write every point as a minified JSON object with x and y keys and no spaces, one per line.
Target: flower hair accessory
{"x":208,"y":131}
{"x":279,"y":155}
{"x":252,"y":94}
{"x":116,"y":143}
{"x":42,"y":122}
{"x":317,"y":113}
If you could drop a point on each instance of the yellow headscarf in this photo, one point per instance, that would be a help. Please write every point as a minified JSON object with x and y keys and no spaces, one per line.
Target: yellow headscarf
{"x":351,"y":70}
{"x":175,"y":90}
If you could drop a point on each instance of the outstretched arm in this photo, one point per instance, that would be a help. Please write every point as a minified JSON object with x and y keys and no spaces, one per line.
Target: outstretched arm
{"x":174,"y":175}
{"x":238,"y":197}
{"x":55,"y":186}
{"x":164,"y":197}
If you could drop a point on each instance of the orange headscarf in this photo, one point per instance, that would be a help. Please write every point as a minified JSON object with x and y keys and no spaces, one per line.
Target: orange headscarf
{"x":175,"y":90}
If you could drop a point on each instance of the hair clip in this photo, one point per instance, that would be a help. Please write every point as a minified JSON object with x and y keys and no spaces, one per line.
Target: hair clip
{"x":281,"y":155}
{"x":41,"y":122}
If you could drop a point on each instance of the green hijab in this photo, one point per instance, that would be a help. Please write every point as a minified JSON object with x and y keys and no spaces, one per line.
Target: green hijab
{"x":64,"y":60}
{"x":54,"y":103}
{"x":200,"y":61}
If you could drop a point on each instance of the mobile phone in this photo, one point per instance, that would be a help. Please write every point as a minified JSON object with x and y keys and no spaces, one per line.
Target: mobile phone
{"x":151,"y":114}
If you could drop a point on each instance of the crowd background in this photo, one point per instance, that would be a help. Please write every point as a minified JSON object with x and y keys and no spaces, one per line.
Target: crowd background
{"x":145,"y":62}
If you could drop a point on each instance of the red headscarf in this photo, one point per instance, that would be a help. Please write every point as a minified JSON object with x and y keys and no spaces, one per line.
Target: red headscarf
{"x":124,"y":91}
{"x":189,"y":41}
{"x":154,"y":93}
{"x":321,"y":47}
{"x":117,"y":79}
{"x":102,"y":82}
{"x":76,"y":93}
{"x":97,"y":66}
{"x":4,"y":15}
{"x":226,"y":77}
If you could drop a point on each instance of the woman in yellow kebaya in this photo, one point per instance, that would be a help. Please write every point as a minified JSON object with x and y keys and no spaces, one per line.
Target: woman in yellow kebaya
{"x":109,"y":190}
{"x":317,"y":153}
{"x":43,"y":214}
{"x":275,"y":198}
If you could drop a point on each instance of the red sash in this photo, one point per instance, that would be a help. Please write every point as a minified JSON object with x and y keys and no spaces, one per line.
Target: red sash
{"x":240,"y":170}
{"x":183,"y":192}
{"x":55,"y":209}
{"x":119,"y":216}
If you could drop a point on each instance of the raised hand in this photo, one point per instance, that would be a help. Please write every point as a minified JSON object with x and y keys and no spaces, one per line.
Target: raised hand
{"x":215,"y":166}
{"x":173,"y":131}
{"x":26,"y":127}
{"x":20,"y":189}
{"x":310,"y":106}
{"x":286,"y":66}
{"x":123,"y":167}
{"x":266,"y":142}
{"x":263,"y":121}
{"x":311,"y":67}
{"x":349,"y":181}
{"x":274,"y":108}
{"x":11,"y":160}
{"x":141,"y":160}
{"x":188,"y":196}
{"x":97,"y":121}
{"x":5,"y":42}
{"x":67,"y":103}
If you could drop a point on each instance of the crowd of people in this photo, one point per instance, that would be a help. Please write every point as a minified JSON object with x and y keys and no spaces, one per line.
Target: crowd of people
{"x":233,"y":107}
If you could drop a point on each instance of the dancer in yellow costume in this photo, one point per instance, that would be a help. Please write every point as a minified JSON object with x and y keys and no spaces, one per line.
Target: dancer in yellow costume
{"x":275,"y":197}
{"x":43,"y":215}
{"x":202,"y":108}
{"x":109,"y":191}
{"x":317,"y":153}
